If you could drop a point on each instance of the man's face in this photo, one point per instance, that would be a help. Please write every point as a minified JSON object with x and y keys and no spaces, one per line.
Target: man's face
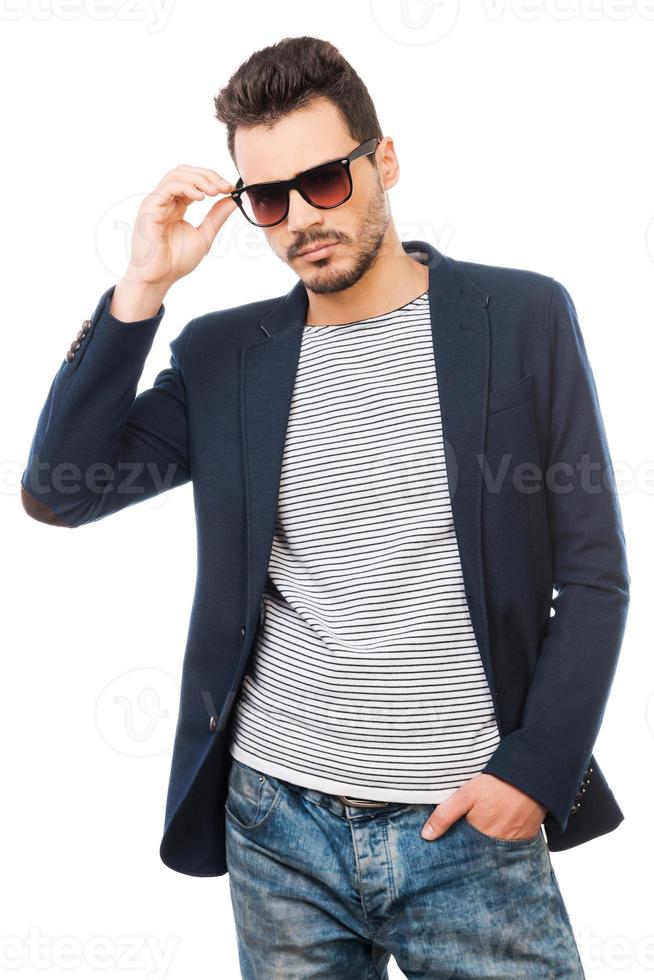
{"x":301,"y":140}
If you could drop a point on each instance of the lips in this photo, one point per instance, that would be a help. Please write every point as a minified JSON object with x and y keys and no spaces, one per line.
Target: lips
{"x":317,"y":248}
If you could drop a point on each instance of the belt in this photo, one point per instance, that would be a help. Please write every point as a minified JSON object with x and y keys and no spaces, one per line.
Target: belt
{"x":350,"y":801}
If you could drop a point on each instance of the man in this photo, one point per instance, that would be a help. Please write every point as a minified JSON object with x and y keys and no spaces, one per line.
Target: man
{"x":394,"y":466}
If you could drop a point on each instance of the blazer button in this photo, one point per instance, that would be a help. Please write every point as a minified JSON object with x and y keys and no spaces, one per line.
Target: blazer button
{"x":212,"y":724}
{"x":242,"y":630}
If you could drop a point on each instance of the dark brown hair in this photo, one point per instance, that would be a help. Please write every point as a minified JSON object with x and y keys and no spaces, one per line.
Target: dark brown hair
{"x":289,"y":75}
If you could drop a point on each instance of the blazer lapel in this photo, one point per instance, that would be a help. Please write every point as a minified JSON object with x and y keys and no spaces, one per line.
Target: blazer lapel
{"x":268,"y":369}
{"x":460,"y":334}
{"x":459,"y":322}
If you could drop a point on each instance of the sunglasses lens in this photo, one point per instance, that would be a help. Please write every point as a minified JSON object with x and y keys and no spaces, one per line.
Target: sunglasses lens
{"x":264,"y":206}
{"x":327,"y":186}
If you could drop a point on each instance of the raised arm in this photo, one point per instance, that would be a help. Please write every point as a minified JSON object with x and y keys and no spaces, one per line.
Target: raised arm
{"x":98,"y":446}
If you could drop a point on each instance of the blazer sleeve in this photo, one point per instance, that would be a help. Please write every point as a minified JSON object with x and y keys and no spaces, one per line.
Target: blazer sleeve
{"x":99,"y":447}
{"x":548,"y":754}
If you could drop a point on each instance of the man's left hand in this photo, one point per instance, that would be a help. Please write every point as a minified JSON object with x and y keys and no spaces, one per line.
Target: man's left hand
{"x":492,"y":805}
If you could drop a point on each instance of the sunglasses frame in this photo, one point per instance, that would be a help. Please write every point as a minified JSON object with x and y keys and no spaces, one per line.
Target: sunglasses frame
{"x":362,"y":150}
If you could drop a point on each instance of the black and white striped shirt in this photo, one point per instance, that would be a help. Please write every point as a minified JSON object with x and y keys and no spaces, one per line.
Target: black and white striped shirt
{"x":366,"y":678}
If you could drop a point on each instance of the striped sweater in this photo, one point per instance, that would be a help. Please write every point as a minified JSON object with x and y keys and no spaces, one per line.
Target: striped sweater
{"x":365,"y":679}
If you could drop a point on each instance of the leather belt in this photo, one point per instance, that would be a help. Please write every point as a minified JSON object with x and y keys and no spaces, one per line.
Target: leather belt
{"x":351,"y":801}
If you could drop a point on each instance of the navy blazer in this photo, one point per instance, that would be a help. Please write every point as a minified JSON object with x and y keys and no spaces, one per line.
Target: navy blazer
{"x":533,"y":495}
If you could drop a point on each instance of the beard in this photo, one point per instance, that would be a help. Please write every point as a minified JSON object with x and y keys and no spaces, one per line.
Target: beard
{"x":362,"y":252}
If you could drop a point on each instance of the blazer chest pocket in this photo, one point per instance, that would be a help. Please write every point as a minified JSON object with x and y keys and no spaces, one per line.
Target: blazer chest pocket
{"x":511,"y":395}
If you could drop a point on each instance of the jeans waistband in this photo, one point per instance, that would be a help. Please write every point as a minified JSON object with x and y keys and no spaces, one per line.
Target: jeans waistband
{"x":344,"y":806}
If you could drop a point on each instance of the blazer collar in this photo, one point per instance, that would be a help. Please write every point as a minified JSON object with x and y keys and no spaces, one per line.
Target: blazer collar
{"x":445,"y":277}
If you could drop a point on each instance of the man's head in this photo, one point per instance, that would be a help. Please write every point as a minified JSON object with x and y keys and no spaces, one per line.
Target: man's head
{"x":289,"y":107}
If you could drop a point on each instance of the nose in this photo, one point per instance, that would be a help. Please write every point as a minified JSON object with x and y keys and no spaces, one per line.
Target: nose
{"x":301,"y":214}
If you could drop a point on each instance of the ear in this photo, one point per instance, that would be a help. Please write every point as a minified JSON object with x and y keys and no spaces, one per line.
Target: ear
{"x":388,"y":163}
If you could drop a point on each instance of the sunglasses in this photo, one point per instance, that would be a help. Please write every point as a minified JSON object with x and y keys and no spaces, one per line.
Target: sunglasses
{"x":326,"y":186}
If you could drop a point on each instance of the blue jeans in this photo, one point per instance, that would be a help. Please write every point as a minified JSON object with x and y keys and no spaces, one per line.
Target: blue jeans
{"x":324,"y":889}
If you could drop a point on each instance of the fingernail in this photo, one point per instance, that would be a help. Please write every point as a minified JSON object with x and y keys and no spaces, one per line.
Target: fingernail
{"x":427,"y":831}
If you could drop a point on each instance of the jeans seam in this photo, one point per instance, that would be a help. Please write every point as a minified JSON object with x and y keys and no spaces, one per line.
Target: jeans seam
{"x":374,"y":973}
{"x":387,"y":849}
{"x":358,"y":876}
{"x":566,"y":917}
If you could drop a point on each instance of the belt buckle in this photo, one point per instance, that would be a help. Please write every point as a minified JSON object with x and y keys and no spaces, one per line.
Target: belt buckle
{"x":351,"y":801}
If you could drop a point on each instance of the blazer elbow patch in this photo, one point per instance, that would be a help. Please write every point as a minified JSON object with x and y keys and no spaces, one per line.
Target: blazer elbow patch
{"x":40,"y":511}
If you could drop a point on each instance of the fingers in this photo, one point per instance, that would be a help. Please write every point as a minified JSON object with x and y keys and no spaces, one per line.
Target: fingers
{"x":164,"y":243}
{"x":205,"y":180}
{"x":444,"y":815}
{"x":184,"y":185}
{"x":210,"y":175}
{"x":215,"y":219}
{"x":178,"y":187}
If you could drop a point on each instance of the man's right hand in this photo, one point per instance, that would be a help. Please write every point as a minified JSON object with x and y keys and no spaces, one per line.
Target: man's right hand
{"x":165,"y":247}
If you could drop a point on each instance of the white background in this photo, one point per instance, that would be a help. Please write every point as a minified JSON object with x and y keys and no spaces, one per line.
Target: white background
{"x":524,"y":134}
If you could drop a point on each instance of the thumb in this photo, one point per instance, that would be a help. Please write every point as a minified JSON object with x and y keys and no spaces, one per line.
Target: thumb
{"x":215,"y":219}
{"x":444,"y":815}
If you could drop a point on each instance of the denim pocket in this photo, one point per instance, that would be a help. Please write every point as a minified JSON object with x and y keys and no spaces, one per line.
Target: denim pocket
{"x":502,"y":841}
{"x":251,"y":795}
